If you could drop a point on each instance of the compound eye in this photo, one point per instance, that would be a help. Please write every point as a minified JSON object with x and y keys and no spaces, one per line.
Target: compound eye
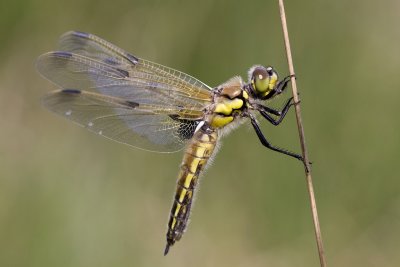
{"x":260,"y":79}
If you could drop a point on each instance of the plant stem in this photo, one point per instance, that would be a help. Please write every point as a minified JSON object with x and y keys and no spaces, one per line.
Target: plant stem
{"x":307,"y":168}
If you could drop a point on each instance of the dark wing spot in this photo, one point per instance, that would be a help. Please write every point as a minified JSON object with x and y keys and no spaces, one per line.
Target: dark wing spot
{"x":81,"y":34}
{"x":174,"y":117}
{"x":63,"y":54}
{"x":131,"y":58}
{"x":132,"y":104}
{"x":71,"y":91}
{"x":123,"y":72}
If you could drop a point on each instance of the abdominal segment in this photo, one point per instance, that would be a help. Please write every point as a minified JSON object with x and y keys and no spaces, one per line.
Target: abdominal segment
{"x":196,"y":156}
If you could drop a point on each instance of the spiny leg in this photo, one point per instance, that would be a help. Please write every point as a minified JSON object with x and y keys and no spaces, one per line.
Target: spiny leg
{"x":280,"y":87}
{"x":269,"y":110}
{"x":264,"y":110}
{"x":267,"y":144}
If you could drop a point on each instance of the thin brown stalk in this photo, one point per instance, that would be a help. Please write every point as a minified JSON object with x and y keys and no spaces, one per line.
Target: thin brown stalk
{"x":307,"y":168}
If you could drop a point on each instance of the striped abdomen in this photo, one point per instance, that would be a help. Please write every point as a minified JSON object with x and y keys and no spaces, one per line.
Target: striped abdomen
{"x":197,"y":153}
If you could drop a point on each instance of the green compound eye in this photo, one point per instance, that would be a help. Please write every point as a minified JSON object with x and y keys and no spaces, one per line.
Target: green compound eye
{"x":263,"y":80}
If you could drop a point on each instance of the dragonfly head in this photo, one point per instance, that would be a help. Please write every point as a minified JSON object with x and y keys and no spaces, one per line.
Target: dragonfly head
{"x":263,"y":81}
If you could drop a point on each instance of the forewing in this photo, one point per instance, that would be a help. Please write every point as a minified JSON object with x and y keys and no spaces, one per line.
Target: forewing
{"x":93,"y":47}
{"x":122,"y":97}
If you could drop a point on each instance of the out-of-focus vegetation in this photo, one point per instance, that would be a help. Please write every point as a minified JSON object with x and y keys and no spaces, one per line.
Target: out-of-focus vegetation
{"x":70,"y":198}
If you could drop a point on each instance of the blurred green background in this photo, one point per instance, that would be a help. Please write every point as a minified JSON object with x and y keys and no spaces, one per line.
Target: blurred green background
{"x":71,"y":198}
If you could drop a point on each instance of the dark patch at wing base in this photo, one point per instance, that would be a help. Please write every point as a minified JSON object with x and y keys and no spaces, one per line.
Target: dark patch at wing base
{"x":186,"y":127}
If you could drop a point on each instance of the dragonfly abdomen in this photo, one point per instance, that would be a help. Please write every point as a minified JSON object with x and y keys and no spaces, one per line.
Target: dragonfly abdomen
{"x":196,"y":156}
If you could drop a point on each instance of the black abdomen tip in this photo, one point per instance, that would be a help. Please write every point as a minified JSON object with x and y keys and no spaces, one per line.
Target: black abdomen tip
{"x":170,"y":242}
{"x":166,"y":249}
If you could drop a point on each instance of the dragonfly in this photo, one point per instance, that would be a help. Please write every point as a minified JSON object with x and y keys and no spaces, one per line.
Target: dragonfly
{"x":156,"y":108}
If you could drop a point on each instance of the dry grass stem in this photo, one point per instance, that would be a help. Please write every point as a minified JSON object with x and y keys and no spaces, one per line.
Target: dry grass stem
{"x":302,"y":139}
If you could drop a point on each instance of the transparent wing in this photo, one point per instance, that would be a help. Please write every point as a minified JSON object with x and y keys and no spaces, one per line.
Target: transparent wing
{"x":122,"y":97}
{"x":91,"y":46}
{"x":124,"y":121}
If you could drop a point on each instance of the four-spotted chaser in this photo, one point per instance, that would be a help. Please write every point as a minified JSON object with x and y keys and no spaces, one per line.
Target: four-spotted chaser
{"x":146,"y":105}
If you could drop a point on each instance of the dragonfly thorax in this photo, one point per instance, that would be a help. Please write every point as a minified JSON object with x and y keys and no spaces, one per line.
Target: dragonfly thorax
{"x":229,"y":101}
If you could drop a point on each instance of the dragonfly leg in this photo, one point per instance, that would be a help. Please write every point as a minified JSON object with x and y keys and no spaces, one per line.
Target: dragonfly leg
{"x":264,"y":110}
{"x":281,"y":86}
{"x":267,"y":144}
